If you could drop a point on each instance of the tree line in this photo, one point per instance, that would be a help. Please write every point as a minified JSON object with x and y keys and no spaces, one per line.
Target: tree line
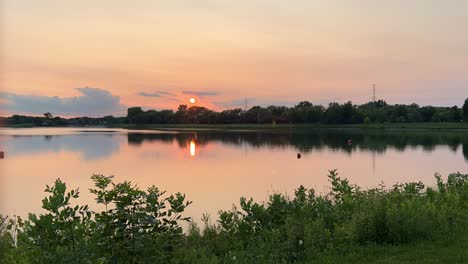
{"x":304,"y":112}
{"x":49,"y":120}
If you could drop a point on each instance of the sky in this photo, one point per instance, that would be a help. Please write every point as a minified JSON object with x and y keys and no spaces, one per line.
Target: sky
{"x":95,"y":58}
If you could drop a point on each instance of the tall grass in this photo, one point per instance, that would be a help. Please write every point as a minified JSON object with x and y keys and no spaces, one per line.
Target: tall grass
{"x":145,"y":226}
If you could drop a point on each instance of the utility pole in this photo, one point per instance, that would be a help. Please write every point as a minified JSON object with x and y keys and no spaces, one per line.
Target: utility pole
{"x":373,"y":92}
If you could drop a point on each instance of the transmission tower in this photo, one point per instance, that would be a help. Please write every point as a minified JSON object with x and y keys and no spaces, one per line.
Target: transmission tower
{"x":373,"y":92}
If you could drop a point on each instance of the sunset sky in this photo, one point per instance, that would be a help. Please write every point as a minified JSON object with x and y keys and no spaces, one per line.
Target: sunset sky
{"x":91,"y":57}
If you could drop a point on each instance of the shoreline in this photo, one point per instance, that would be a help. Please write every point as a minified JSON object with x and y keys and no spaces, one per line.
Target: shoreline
{"x":461,"y":126}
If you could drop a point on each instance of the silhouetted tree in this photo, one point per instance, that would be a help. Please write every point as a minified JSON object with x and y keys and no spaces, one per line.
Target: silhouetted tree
{"x":182,"y":108}
{"x":304,"y":112}
{"x":427,"y":112}
{"x":48,"y":115}
{"x":455,"y":114}
{"x":465,"y":110}
{"x":333,"y":114}
{"x":133,"y":114}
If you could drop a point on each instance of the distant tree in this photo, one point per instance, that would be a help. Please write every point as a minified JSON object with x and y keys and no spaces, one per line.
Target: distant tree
{"x":258,"y":114}
{"x":304,"y":104}
{"x":166,"y":116}
{"x":133,"y":111}
{"x":413,"y":113}
{"x":465,"y":110}
{"x":181,"y":116}
{"x":133,"y":114}
{"x":427,"y":112}
{"x":278,"y":113}
{"x":182,"y":108}
{"x":231,"y":116}
{"x":333,"y":114}
{"x":198,"y":115}
{"x":48,"y":115}
{"x":381,"y":103}
{"x":347,"y":112}
{"x":455,"y":114}
{"x":399,"y":113}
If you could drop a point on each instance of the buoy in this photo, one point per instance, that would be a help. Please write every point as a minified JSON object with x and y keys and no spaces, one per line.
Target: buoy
{"x":298,"y":155}
{"x":350,"y":142}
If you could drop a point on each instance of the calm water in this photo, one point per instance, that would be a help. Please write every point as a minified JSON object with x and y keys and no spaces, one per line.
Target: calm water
{"x":214,"y":169}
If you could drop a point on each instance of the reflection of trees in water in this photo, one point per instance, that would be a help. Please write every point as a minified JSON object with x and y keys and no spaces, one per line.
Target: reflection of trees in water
{"x":308,"y":140}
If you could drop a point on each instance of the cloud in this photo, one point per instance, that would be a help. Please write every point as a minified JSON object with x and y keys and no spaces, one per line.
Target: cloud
{"x":154,"y":94}
{"x":91,"y":102}
{"x":145,"y":94}
{"x":199,"y":93}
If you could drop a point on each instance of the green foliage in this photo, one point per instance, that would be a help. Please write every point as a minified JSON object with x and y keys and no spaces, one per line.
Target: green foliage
{"x":301,"y":229}
{"x":62,"y":234}
{"x":304,"y":112}
{"x":137,"y":226}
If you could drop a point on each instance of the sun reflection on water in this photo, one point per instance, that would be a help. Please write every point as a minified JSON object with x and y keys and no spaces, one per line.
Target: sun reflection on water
{"x":192,"y":148}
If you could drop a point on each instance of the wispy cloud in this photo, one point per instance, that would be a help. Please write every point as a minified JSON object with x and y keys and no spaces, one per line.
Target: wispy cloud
{"x":145,"y":94}
{"x":91,"y":102}
{"x":154,"y":94}
{"x":200,"y":93}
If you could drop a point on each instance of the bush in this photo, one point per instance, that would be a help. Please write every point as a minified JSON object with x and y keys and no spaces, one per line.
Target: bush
{"x":139,"y":226}
{"x":300,"y":229}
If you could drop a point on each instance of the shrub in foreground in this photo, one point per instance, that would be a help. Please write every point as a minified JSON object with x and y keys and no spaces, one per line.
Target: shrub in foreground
{"x":288,"y":230}
{"x":138,"y":226}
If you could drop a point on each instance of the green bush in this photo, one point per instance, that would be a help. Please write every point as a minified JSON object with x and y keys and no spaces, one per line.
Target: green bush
{"x":300,"y":229}
{"x":137,"y":226}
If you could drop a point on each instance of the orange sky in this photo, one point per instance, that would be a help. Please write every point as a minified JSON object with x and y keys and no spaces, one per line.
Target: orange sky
{"x":271,"y":52}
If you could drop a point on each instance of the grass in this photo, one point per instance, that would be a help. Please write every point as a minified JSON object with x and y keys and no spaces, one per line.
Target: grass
{"x":25,"y":125}
{"x":453,"y":250}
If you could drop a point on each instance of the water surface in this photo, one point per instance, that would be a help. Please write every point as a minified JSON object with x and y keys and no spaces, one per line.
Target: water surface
{"x":215,"y":168}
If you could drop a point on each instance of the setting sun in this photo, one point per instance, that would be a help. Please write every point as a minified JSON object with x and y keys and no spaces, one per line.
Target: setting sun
{"x":192,"y":100}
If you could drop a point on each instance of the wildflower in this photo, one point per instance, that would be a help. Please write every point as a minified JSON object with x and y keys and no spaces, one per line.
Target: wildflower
{"x":301,"y":242}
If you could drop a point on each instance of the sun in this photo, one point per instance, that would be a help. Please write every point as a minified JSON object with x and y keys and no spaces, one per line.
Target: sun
{"x":192,"y":100}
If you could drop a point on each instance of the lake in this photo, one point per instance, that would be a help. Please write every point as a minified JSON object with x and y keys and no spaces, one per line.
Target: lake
{"x":215,"y":168}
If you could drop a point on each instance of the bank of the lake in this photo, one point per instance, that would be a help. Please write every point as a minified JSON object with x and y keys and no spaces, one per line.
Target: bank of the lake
{"x":400,"y":126}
